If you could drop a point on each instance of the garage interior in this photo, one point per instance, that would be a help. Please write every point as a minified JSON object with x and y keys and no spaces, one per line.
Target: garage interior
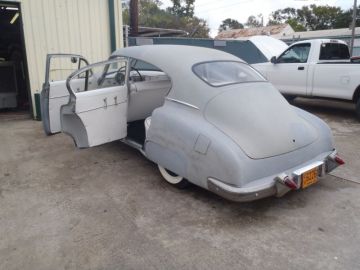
{"x":14,"y":90}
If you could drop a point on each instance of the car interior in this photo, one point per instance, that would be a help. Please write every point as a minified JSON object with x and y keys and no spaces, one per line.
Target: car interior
{"x":147,"y":88}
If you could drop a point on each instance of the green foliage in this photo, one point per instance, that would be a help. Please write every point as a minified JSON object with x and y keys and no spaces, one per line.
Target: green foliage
{"x":344,"y":20}
{"x":298,"y":27}
{"x":254,"y":21}
{"x":179,"y":16}
{"x":312,"y":17}
{"x":182,"y":8}
{"x":229,"y":23}
{"x":318,"y":17}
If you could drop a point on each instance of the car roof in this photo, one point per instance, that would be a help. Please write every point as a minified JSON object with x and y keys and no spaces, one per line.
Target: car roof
{"x":320,"y":41}
{"x":177,"y":62}
{"x":164,"y":55}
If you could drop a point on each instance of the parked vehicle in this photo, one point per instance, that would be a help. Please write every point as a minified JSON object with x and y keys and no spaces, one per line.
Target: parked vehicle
{"x":204,"y":116}
{"x":315,"y":68}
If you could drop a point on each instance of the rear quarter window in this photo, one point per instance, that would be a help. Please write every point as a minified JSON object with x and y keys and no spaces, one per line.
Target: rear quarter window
{"x":221,"y":73}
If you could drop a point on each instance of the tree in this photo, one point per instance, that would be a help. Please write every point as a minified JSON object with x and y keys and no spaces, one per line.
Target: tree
{"x":230,"y":24}
{"x":344,"y":20}
{"x":178,"y":9}
{"x":312,"y":17}
{"x":151,"y":15}
{"x":315,"y":17}
{"x":286,"y":15}
{"x":298,"y":27}
{"x":254,"y":21}
{"x":282,"y":15}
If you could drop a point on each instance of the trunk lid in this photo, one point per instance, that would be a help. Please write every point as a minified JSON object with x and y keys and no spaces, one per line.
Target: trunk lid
{"x":259,"y":120}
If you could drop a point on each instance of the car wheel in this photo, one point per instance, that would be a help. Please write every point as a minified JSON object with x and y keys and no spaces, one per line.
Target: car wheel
{"x":173,"y":178}
{"x":358,"y":109}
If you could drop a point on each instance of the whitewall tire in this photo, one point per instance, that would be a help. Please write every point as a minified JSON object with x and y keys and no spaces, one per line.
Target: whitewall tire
{"x":172,"y":178}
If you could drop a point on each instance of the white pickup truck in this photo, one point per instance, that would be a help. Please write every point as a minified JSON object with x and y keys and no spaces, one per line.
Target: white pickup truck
{"x":315,"y":68}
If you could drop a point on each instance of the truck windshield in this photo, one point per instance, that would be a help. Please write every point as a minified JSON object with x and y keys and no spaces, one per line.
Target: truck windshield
{"x":221,"y":73}
{"x":334,"y":51}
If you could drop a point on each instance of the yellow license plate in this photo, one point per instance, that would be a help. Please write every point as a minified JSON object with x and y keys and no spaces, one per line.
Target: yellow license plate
{"x":310,"y":177}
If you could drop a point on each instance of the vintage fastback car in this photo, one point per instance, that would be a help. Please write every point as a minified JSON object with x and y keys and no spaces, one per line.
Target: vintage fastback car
{"x":204,"y":116}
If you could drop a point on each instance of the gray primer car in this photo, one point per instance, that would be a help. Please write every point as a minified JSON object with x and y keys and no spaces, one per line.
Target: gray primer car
{"x":204,"y":116}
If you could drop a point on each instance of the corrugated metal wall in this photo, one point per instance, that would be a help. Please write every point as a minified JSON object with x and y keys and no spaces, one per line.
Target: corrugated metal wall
{"x":66,"y":26}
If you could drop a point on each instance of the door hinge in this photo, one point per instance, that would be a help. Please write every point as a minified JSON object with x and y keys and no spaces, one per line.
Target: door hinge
{"x":105,"y":103}
{"x":115,"y":100}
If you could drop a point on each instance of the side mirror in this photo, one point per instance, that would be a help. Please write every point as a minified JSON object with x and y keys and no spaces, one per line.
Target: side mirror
{"x":273,"y":60}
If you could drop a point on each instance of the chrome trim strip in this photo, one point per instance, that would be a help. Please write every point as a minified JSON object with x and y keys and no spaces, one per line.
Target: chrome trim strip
{"x":183,"y":103}
{"x":241,"y":194}
{"x":240,"y":190}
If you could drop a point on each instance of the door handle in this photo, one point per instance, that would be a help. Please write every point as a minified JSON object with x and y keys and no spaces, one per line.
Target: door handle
{"x":301,"y":68}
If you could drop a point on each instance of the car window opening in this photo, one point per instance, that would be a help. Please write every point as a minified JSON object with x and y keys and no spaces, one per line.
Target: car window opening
{"x":221,"y":73}
{"x":334,"y":51}
{"x":296,"y":54}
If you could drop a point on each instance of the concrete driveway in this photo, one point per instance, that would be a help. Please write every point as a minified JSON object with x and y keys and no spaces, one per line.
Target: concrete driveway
{"x":108,"y":208}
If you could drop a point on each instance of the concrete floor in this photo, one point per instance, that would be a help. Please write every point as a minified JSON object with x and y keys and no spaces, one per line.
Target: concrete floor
{"x":108,"y":208}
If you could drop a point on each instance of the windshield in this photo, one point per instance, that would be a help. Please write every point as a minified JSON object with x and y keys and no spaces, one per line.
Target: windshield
{"x":220,"y":73}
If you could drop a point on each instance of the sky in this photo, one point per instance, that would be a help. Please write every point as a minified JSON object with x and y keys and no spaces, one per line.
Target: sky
{"x":215,"y":11}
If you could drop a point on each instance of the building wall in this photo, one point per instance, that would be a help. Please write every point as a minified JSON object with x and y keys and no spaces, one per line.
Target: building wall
{"x":66,"y":26}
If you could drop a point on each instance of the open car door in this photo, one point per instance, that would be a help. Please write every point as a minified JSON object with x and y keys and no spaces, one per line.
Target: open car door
{"x":54,"y":93}
{"x":97,"y":110}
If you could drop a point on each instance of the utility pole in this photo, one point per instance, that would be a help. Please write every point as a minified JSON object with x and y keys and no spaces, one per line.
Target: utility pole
{"x":353,"y":28}
{"x":134,"y":18}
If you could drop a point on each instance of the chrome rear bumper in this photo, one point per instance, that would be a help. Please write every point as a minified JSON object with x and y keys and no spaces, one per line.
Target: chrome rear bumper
{"x":276,"y":186}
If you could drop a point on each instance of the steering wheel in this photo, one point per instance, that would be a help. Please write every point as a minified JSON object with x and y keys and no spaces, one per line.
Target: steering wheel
{"x":120,"y":76}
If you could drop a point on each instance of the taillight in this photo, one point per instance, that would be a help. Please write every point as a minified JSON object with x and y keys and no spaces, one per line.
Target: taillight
{"x":339,"y":160}
{"x":287,"y":181}
{"x":290,"y":183}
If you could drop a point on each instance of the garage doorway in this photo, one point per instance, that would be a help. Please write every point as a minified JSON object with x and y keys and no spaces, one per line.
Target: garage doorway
{"x":15,"y":95}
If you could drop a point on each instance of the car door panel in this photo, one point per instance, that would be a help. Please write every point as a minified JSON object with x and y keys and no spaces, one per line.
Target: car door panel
{"x":97,"y":116}
{"x":290,"y":72}
{"x":288,"y":78}
{"x":58,"y":96}
{"x":55,"y":93}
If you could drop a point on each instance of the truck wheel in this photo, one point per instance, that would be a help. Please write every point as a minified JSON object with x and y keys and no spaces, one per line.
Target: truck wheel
{"x":358,"y":109}
{"x":173,"y":179}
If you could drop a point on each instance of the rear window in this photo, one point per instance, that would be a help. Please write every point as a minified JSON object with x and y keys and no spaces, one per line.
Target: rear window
{"x":220,"y":73}
{"x":334,"y":51}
